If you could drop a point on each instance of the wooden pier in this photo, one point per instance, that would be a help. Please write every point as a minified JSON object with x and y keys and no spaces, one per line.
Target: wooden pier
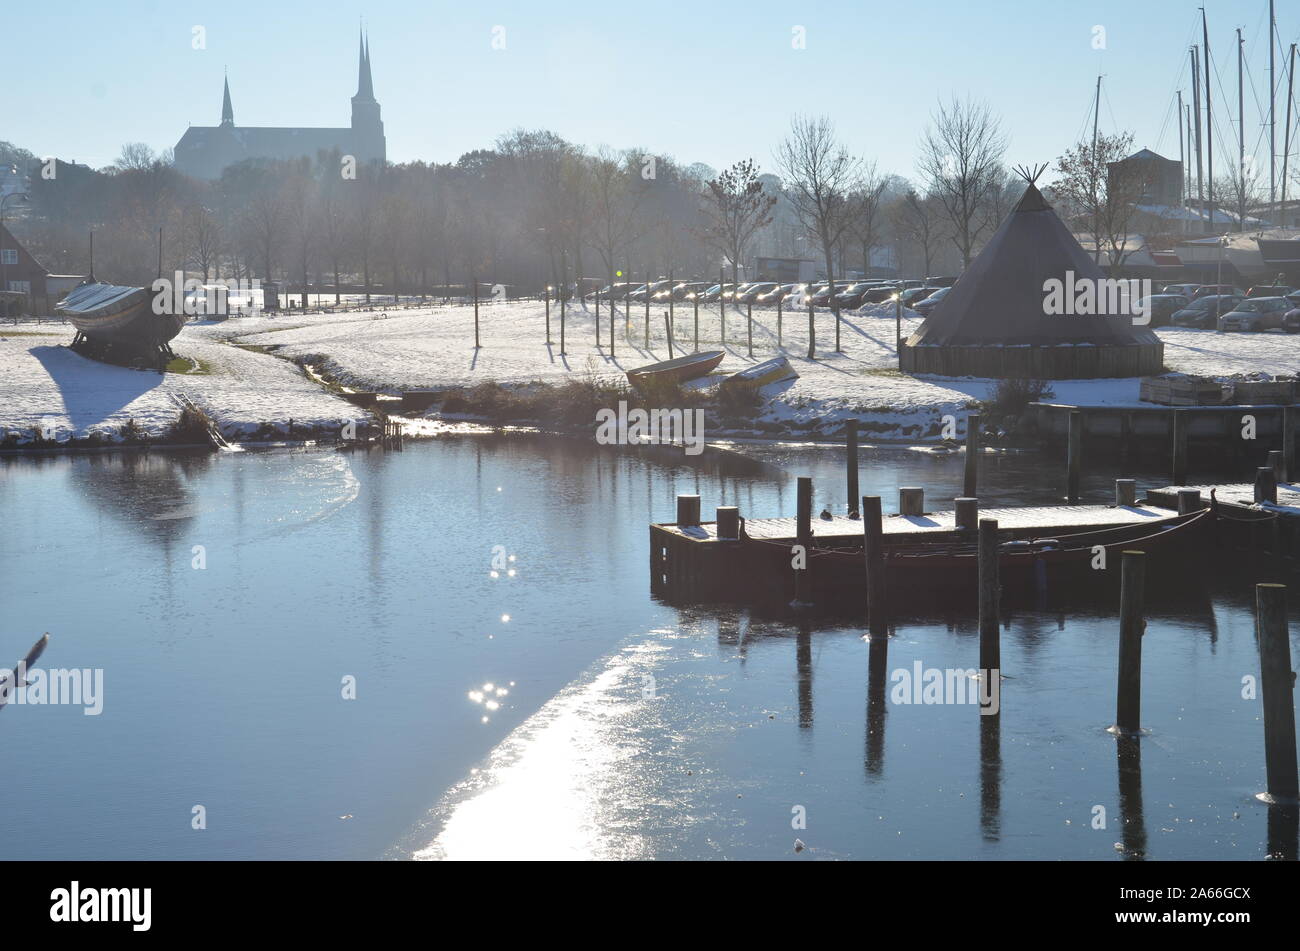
{"x":697,"y":560}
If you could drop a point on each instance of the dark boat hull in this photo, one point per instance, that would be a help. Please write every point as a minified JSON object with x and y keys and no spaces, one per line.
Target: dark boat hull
{"x":690,"y":367}
{"x":120,"y":315}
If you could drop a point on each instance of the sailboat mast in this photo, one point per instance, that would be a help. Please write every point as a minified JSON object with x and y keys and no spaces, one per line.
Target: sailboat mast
{"x":1272,"y":110}
{"x":1286,"y":135}
{"x":1182,"y":150}
{"x":1241,"y":137}
{"x":1096,"y":173}
{"x":1196,"y":111}
{"x":1209,"y":124}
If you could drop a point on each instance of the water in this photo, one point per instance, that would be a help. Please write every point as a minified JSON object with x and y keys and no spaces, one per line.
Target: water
{"x":628,"y":728}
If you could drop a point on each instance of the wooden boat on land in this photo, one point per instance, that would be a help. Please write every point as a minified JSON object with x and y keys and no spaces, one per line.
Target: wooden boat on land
{"x":945,"y":558}
{"x":119,"y":315}
{"x":761,"y":374}
{"x":119,"y":324}
{"x":690,"y":367}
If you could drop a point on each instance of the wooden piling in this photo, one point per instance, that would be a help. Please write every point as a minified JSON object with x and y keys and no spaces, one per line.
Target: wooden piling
{"x":812,"y":331}
{"x":647,"y":311}
{"x":966,"y":514}
{"x":1180,"y":447}
{"x":1074,"y":457}
{"x":990,"y":592}
{"x":688,"y":510}
{"x":1265,"y":485}
{"x":1288,"y":443}
{"x":1277,"y":693}
{"x":749,"y":326}
{"x":851,"y":462}
{"x":696,"y":299}
{"x":668,"y":332}
{"x":1126,"y":492}
{"x":476,"y":343}
{"x":546,"y":296}
{"x":1277,"y":462}
{"x":778,"y":323}
{"x":1128,"y":696}
{"x":803,"y":537}
{"x":728,"y":521}
{"x":873,"y":537}
{"x":911,"y":500}
{"x":970,"y":478}
{"x":1189,"y":500}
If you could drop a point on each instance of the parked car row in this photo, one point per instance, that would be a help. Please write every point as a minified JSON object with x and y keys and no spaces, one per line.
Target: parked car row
{"x":847,"y":295}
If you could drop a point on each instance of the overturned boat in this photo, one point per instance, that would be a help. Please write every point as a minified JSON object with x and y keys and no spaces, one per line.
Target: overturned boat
{"x":120,"y":324}
{"x":690,"y":367}
{"x":756,"y":377}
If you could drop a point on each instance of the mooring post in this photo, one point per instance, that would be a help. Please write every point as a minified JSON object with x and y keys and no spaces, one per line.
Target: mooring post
{"x":1189,"y":500}
{"x":1126,"y":492}
{"x":546,"y":296}
{"x":970,"y":479}
{"x":749,"y":326}
{"x":989,"y":598}
{"x":803,"y":537}
{"x":1277,"y":689}
{"x":1074,"y":456}
{"x":1180,"y":447}
{"x":476,"y":343}
{"x":1265,"y":485}
{"x":668,"y":331}
{"x":688,"y":510}
{"x":696,"y":299}
{"x":873,"y":537}
{"x":647,"y":311}
{"x":911,"y":500}
{"x":812,"y":331}
{"x":1277,"y":462}
{"x":1128,"y":697}
{"x":728,"y":522}
{"x":851,"y":462}
{"x":1288,"y":443}
{"x":967,"y":513}
{"x":778,"y":323}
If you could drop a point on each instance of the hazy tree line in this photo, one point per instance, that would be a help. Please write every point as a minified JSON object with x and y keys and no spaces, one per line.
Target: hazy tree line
{"x":531,"y":211}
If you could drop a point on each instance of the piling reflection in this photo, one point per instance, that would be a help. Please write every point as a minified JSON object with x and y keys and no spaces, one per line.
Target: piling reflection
{"x":877,"y":709}
{"x":991,"y":777}
{"x":804,"y":664}
{"x":1133,"y":833}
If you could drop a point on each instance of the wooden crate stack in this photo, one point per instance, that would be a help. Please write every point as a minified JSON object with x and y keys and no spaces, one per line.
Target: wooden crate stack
{"x":1181,"y":391}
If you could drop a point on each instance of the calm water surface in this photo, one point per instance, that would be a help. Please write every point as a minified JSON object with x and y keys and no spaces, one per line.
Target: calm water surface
{"x":553,"y":709}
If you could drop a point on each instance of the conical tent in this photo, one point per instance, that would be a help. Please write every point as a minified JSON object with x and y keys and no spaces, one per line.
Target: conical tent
{"x":1002,"y":318}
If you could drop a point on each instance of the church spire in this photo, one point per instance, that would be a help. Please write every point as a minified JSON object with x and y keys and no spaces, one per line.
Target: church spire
{"x":365,"y":89}
{"x":227,"y":110}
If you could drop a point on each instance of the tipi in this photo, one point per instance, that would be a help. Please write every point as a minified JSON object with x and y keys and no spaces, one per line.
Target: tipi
{"x":999,"y":319}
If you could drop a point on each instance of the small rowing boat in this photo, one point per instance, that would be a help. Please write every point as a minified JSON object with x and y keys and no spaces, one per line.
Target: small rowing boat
{"x":690,"y":367}
{"x":760,"y":374}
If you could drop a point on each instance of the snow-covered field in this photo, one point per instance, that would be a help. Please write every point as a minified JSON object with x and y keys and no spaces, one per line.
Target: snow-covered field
{"x":44,"y":385}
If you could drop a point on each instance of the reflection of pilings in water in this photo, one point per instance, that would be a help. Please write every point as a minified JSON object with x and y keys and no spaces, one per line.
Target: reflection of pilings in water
{"x":728,"y":629}
{"x":1133,"y":832}
{"x":877,"y":676}
{"x":1283,"y":827}
{"x":991,"y":777}
{"x":803,"y":661}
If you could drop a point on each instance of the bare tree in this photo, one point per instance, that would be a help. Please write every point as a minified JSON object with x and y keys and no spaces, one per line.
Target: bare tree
{"x":203,"y":238}
{"x":865,"y":225}
{"x":961,"y":155}
{"x":919,"y":220}
{"x":135,"y":156}
{"x":734,"y":207}
{"x":819,"y":175}
{"x":1103,"y":191}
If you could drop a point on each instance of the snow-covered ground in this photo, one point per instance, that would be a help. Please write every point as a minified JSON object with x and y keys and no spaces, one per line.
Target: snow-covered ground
{"x":45,"y":385}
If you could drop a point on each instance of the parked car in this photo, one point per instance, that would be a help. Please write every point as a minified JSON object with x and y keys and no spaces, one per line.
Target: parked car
{"x":1187,"y":290}
{"x":851,"y":296}
{"x":1205,"y":290}
{"x":879,"y":294}
{"x":777,"y":294}
{"x":714,"y":291}
{"x":690,"y":289}
{"x":1204,"y":312}
{"x":1270,"y":290}
{"x":822,"y":296}
{"x":1291,"y":320}
{"x":940,"y":281}
{"x":751,"y":293}
{"x":1161,"y":307}
{"x":914,"y":295}
{"x":1255,"y":314}
{"x":924,"y":307}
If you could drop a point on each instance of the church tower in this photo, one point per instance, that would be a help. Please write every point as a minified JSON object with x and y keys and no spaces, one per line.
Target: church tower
{"x":367,"y":127}
{"x":227,"y":110}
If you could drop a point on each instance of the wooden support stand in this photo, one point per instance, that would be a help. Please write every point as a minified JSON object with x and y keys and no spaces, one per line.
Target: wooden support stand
{"x":1126,"y":492}
{"x":911,"y":500}
{"x":967,"y":514}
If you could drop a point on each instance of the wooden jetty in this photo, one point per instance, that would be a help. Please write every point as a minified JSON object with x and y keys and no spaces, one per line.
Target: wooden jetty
{"x":695,"y":560}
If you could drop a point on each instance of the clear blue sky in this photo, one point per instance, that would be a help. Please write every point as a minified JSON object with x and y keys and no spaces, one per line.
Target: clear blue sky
{"x":709,"y":82}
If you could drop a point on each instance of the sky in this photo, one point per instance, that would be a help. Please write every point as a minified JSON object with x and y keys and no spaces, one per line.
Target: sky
{"x":702,"y":82}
